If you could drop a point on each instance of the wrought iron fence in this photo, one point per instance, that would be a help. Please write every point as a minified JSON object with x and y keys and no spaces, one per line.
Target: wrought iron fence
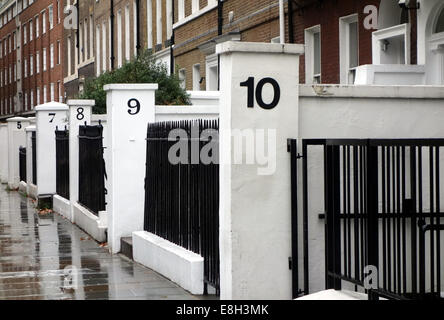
{"x":22,"y":163}
{"x":91,"y":168}
{"x":62,"y":163}
{"x":382,"y":210}
{"x":34,"y":158}
{"x":182,"y":198}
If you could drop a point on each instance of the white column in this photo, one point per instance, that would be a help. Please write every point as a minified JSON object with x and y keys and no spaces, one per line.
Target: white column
{"x":130,"y":107}
{"x":3,"y":153}
{"x":16,"y":138}
{"x":255,"y":197}
{"x":79,"y":112}
{"x":29,"y":130}
{"x":48,"y":117}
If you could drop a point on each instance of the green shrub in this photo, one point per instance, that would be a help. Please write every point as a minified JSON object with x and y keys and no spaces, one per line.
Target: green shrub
{"x":143,"y":69}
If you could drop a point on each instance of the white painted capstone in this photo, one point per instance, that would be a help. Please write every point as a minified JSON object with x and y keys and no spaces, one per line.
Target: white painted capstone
{"x":127,"y":129}
{"x":49,"y":116}
{"x":181,"y":266}
{"x":255,"y":234}
{"x":4,"y":153}
{"x":62,"y":206}
{"x":89,"y":222}
{"x":16,"y":139}
{"x":79,"y":114}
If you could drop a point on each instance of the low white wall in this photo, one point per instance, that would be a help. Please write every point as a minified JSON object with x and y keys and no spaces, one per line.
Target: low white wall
{"x":89,"y":222}
{"x":177,"y":113}
{"x":357,"y":112}
{"x":176,"y":263}
{"x":3,"y":153}
{"x":387,"y":74}
{"x":204,"y":98}
{"x":61,"y":206}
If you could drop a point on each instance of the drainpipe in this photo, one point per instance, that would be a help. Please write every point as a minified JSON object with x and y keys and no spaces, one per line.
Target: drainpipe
{"x":138,"y":27}
{"x":77,"y":33}
{"x":282,"y":21}
{"x":112,"y":35}
{"x":172,"y":42}
{"x":220,"y":26}
{"x":290,"y":22}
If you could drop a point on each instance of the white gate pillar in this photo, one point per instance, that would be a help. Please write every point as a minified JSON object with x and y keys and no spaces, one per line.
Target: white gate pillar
{"x":48,"y":117}
{"x":4,"y":153}
{"x":259,"y":98}
{"x":130,"y":107}
{"x":16,"y":138}
{"x":79,"y":113}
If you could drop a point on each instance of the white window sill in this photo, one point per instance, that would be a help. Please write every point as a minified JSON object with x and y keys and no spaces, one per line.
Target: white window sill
{"x":195,"y":15}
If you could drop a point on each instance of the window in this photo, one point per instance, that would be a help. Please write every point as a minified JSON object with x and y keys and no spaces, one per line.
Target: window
{"x":82,"y":49}
{"x":44,"y":59}
{"x":98,"y":50}
{"x":119,"y":36}
{"x":51,"y":17}
{"x":182,"y":78}
{"x":25,"y":35}
{"x":51,"y":55}
{"x":59,"y":52}
{"x":85,"y":40}
{"x":159,"y":21}
{"x":104,"y":46}
{"x":45,"y":94}
{"x":69,"y":55}
{"x":31,"y":65}
{"x":349,"y":48}
{"x":212,"y":73}
{"x":37,"y":27}
{"x":30,"y":30}
{"x":32,"y":98}
{"x":58,"y":11}
{"x":37,"y":62}
{"x":313,"y":55}
{"x":196,"y":77}
{"x":59,"y":89}
{"x":127,"y":33}
{"x":15,"y":40}
{"x":25,"y":63}
{"x":38,"y":95}
{"x":149,"y":13}
{"x":52,"y":92}
{"x":43,"y":22}
{"x":440,"y":23}
{"x":91,"y":36}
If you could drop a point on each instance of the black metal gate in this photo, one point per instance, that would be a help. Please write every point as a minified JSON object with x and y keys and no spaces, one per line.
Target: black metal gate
{"x":22,"y":163}
{"x":91,"y":168}
{"x":62,"y":163}
{"x":34,"y":158}
{"x":182,"y":200}
{"x":382,"y":210}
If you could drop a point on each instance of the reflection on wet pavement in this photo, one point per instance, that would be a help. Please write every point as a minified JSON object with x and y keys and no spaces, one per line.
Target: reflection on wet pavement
{"x":47,"y":257}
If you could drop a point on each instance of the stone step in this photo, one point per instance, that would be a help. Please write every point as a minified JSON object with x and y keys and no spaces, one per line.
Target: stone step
{"x":126,"y":247}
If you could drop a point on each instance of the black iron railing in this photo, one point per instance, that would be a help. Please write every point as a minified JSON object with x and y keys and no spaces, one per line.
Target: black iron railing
{"x":383,"y":214}
{"x":62,"y":163}
{"x":34,"y":158}
{"x":182,"y":196}
{"x":91,"y":168}
{"x":22,"y":163}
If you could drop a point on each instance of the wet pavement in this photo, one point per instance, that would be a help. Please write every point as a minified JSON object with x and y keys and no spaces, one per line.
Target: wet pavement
{"x":45,"y":257}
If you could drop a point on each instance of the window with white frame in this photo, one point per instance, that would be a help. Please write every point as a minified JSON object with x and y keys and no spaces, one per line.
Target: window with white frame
{"x":183,"y":78}
{"x":85,"y":39}
{"x":119,"y":36}
{"x":59,"y":90}
{"x":59,"y":52}
{"x":82,"y":49}
{"x":313,"y":55}
{"x":127,"y":33}
{"x":44,"y":59}
{"x":43,"y":22}
{"x":30,"y":30}
{"x":38,"y":95}
{"x":196,"y":77}
{"x":69,"y":58}
{"x":51,"y":55}
{"x":37,"y":30}
{"x":104,"y":46}
{"x":32,"y":98}
{"x":31,"y":65}
{"x":45,"y":94}
{"x":98,"y":50}
{"x":91,"y":36}
{"x":37,"y":62}
{"x":52,"y":97}
{"x":159,"y":22}
{"x":25,"y":35}
{"x":149,"y":14}
{"x":25,"y":68}
{"x":212,"y":72}
{"x":349,"y":48}
{"x":51,"y":17}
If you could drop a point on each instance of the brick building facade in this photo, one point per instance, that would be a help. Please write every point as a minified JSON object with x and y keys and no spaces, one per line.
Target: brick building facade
{"x":32,"y":58}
